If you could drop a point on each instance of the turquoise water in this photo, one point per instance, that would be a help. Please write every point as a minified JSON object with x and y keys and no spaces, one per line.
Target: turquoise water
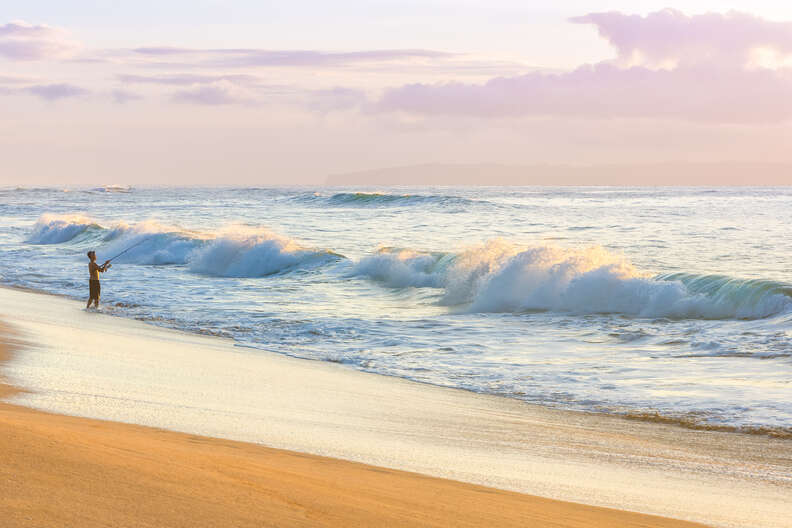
{"x":623,"y":300}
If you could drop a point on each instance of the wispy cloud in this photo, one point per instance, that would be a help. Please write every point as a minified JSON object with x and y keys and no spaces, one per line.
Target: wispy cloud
{"x":287,"y":58}
{"x":185,"y":79}
{"x":20,"y":40}
{"x":53,"y":92}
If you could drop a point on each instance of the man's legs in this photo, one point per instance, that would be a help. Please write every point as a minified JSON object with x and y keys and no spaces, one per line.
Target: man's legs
{"x":94,"y":293}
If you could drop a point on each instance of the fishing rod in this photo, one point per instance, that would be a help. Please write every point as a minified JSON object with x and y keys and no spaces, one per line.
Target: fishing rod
{"x":127,"y":249}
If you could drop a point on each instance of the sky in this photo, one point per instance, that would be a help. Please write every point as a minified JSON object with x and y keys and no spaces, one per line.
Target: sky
{"x":261,"y":92}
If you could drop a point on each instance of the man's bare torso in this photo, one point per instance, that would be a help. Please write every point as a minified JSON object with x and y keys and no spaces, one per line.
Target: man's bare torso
{"x":93,"y":270}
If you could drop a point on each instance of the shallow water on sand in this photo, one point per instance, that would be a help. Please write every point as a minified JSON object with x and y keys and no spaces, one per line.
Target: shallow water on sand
{"x":660,"y":303}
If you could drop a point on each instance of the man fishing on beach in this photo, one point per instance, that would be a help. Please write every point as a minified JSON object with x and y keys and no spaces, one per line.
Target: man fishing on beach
{"x":95,"y":288}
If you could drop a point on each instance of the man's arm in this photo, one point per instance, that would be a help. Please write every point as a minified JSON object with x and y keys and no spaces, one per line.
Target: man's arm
{"x":104,"y":266}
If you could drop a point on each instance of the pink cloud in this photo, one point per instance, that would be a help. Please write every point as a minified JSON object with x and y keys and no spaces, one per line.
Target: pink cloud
{"x":22,"y":41}
{"x":710,"y":81}
{"x":605,"y":91}
{"x":670,"y":35}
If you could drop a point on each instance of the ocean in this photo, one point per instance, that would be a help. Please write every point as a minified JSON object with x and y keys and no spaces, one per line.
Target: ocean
{"x":669,"y":304}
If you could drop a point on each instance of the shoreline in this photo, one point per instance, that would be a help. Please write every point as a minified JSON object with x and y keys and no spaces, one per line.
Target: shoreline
{"x":41,"y":451}
{"x":386,"y":422}
{"x":647,"y":416}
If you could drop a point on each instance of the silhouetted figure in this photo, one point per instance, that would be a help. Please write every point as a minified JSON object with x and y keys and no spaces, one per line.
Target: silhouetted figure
{"x":95,"y":288}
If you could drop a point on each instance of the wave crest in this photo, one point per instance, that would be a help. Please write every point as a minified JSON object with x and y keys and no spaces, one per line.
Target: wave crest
{"x":235,"y":251}
{"x":501,"y":277}
{"x":402,"y":268}
{"x":250,"y":252}
{"x":375,"y":199}
{"x":115,"y":188}
{"x":151,"y":243}
{"x":57,"y":229}
{"x":595,"y":281}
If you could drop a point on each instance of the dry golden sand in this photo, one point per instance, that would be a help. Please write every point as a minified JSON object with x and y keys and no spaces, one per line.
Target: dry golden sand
{"x":65,"y":471}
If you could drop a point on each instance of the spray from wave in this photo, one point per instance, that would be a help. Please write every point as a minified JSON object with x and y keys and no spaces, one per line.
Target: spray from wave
{"x":502,"y":277}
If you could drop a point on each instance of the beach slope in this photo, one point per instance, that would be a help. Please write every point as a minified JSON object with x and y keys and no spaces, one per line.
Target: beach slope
{"x":66,"y":471}
{"x":337,"y":430}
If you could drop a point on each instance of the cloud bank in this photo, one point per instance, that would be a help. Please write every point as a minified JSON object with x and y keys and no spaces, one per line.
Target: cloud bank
{"x":708,"y":94}
{"x":670,"y":36}
{"x":669,"y":66}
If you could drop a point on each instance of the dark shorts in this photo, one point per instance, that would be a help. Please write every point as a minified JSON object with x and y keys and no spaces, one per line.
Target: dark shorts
{"x":95,"y":288}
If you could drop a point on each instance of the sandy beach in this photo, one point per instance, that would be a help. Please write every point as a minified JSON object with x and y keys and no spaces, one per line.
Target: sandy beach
{"x":69,"y":471}
{"x":63,"y":471}
{"x":78,"y":471}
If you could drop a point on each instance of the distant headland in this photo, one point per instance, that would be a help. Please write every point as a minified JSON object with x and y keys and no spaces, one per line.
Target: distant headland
{"x":656,"y":174}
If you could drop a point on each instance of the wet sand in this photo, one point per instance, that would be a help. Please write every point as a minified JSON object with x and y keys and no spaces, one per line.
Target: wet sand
{"x":68,"y":471}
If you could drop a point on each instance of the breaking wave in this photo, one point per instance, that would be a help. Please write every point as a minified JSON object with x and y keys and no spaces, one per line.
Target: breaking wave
{"x":402,"y":268}
{"x":501,"y":277}
{"x":113,"y":189}
{"x":234,"y":251}
{"x":374,"y":199}
{"x":57,"y":229}
{"x":495,"y":277}
{"x":150,"y":243}
{"x":251,"y":252}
